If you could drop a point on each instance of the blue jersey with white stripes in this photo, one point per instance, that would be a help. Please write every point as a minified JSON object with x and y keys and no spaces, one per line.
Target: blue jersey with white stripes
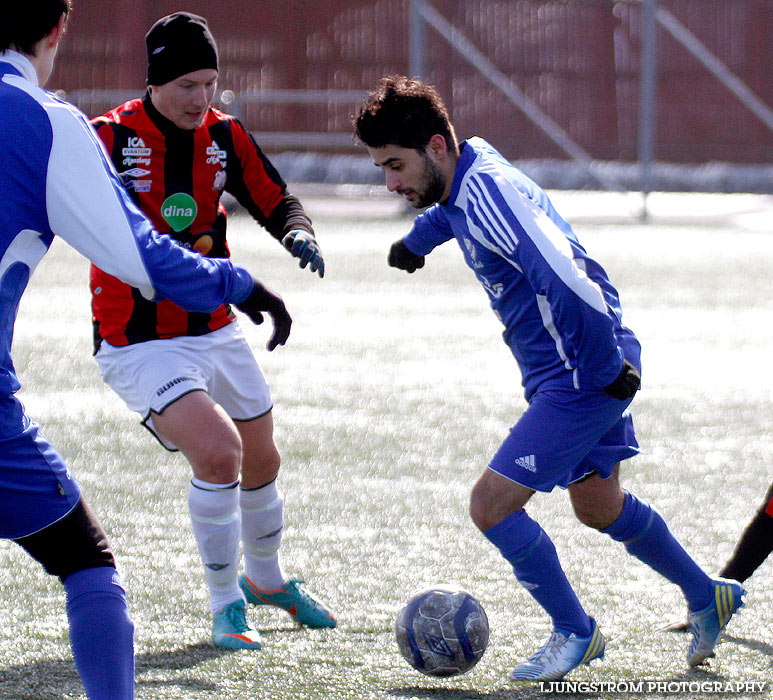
{"x":57,"y":180}
{"x":561,"y":314}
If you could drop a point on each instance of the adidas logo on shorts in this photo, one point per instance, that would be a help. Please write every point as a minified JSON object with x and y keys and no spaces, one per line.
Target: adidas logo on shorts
{"x":526,"y":462}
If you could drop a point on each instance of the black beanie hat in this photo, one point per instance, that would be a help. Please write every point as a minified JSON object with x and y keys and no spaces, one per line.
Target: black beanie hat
{"x":177,"y":44}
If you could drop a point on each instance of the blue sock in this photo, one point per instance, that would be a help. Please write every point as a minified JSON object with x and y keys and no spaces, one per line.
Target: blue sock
{"x":535,"y":563}
{"x":101,"y":633}
{"x":646,"y":536}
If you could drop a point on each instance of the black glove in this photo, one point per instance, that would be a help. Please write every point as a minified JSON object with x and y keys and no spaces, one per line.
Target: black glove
{"x":263,"y":299}
{"x":303,"y":245}
{"x":626,"y":384}
{"x":403,"y":259}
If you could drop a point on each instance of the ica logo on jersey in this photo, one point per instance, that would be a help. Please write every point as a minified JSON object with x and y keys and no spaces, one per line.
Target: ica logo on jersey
{"x":135,"y":152}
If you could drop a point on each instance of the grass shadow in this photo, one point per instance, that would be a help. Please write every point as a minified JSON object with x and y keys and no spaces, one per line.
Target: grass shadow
{"x":47,"y":679}
{"x":753,"y":644}
{"x":515,"y":693}
{"x":55,"y":679}
{"x":176,"y":659}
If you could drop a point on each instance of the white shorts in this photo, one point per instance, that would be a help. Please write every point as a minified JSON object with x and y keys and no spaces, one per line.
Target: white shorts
{"x":152,"y":375}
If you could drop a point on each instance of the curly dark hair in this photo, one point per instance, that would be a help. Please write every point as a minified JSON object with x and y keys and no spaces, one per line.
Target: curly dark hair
{"x":403,"y":112}
{"x":23,"y":23}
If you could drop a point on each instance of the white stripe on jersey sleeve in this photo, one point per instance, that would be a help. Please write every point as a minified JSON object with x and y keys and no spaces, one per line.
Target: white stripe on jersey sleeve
{"x":27,"y":248}
{"x":83,"y":206}
{"x":552,"y":244}
{"x":499,"y":230}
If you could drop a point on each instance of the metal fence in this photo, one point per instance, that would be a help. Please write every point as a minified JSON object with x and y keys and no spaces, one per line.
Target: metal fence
{"x":294,"y":71}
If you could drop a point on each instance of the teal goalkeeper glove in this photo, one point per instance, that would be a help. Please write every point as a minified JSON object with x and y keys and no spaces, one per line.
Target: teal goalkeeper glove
{"x":303,"y":245}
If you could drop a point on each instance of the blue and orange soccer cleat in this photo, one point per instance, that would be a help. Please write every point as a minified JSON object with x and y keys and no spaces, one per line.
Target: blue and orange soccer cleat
{"x":292,"y":598}
{"x":706,"y":625}
{"x":560,"y":655}
{"x":231,"y":630}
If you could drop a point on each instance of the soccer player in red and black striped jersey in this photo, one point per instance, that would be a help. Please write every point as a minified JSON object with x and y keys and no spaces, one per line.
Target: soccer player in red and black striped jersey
{"x":755,"y":545}
{"x":192,"y":376}
{"x":749,"y":553}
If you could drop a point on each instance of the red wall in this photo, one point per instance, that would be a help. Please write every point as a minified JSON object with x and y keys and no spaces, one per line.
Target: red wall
{"x":578,"y":59}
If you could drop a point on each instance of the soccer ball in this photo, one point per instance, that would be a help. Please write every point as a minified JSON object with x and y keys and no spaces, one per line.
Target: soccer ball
{"x":442,"y":631}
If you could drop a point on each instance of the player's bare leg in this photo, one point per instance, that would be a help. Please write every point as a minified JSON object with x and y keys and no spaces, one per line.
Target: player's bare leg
{"x":260,"y":456}
{"x":597,"y":502}
{"x":205,"y":434}
{"x":261,"y":503}
{"x":494,"y":497}
{"x":213,"y":446}
{"x":262,"y":517}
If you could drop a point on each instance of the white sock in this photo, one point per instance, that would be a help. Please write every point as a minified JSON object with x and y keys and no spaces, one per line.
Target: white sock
{"x":262,"y":523}
{"x":214,"y":510}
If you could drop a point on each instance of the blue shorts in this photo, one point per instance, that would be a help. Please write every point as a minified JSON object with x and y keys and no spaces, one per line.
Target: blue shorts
{"x":564,"y":435}
{"x":36,"y":488}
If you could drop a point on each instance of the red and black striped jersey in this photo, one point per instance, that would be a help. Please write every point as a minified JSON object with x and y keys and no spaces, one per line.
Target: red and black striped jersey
{"x":177,"y":178}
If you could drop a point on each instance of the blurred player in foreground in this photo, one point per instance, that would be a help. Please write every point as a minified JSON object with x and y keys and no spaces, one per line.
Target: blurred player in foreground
{"x":579,"y":366}
{"x":191,"y":376}
{"x":56,"y":182}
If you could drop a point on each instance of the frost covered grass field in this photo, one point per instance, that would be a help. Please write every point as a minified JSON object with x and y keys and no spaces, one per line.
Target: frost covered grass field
{"x":391,"y":395}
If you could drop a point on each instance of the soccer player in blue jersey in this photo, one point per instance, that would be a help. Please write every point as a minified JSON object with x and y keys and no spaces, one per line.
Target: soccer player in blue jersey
{"x":58,"y":182}
{"x":579,"y":364}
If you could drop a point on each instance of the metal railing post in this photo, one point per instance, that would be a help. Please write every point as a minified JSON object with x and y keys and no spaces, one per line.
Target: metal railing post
{"x":416,"y":60}
{"x":647,"y":100}
{"x":460,"y":43}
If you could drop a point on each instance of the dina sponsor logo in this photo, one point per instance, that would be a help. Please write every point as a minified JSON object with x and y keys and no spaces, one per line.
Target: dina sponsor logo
{"x":179,"y":211}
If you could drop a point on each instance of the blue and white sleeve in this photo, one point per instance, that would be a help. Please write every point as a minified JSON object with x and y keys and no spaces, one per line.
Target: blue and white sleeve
{"x":89,"y":209}
{"x":572,"y":304}
{"x":429,"y":230}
